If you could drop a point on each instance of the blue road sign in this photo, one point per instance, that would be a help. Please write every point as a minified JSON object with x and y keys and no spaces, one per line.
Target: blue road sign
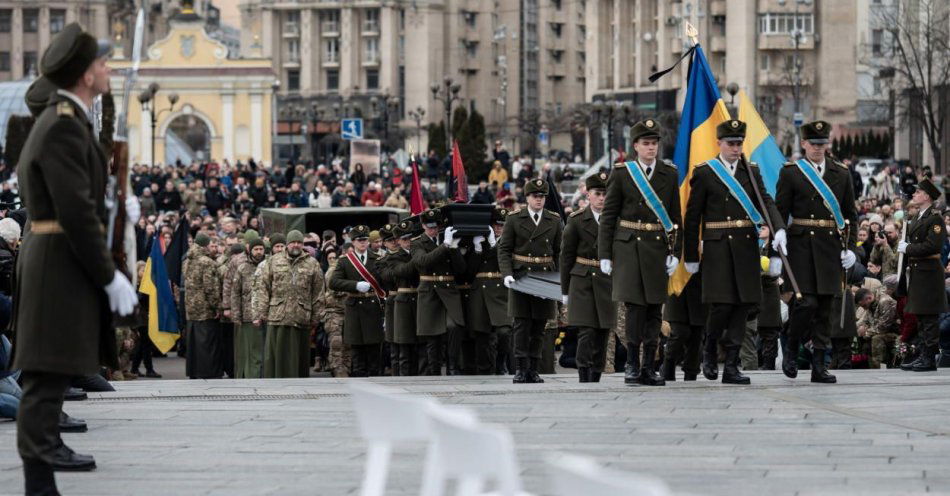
{"x":352,"y":129}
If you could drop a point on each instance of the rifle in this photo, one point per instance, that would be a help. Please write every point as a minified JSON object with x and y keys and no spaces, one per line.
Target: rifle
{"x":845,"y":233}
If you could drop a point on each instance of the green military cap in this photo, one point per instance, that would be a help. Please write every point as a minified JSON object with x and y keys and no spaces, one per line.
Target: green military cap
{"x":295,"y":236}
{"x":596,"y":181}
{"x":237,"y":248}
{"x":250,"y":234}
{"x":816,"y":133}
{"x":536,"y":186}
{"x":359,"y":232}
{"x":70,"y":53}
{"x":202,"y":240}
{"x":386,"y":232}
{"x":403,"y":229}
{"x":278,"y":239}
{"x":731,"y":130}
{"x":37,"y":96}
{"x":499,"y":214}
{"x":254,"y":242}
{"x":930,"y":188}
{"x":432,"y":217}
{"x":647,"y":128}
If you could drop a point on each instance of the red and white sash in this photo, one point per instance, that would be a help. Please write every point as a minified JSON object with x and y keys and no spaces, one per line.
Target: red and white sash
{"x":380,"y":292}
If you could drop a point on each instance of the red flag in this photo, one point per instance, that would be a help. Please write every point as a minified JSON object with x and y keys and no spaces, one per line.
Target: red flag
{"x":416,"y":203}
{"x":458,"y":173}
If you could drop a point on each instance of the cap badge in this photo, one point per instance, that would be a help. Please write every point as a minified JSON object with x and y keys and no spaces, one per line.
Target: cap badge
{"x":735,"y":124}
{"x":648,"y":123}
{"x":819,"y":125}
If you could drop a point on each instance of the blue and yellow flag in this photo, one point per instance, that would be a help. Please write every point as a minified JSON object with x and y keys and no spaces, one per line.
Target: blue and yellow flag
{"x":696,"y":143}
{"x":162,"y":313}
{"x":759,"y":145}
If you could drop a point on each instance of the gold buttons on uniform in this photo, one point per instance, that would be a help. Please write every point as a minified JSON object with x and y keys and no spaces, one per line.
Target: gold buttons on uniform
{"x":811,"y":232}
{"x":730,"y":236}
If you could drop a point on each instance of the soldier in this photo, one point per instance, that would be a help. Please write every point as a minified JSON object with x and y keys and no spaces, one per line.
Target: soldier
{"x":332,"y":315}
{"x":277,"y":243}
{"x":234,"y":256}
{"x":405,"y":279}
{"x":817,"y":193}
{"x":439,"y":302}
{"x":389,"y":248}
{"x":530,"y":242}
{"x":766,"y":322}
{"x":288,"y":300}
{"x":358,"y":275}
{"x":926,"y":297}
{"x":879,"y":324}
{"x":687,"y":315}
{"x":641,"y":215}
{"x":249,"y":338}
{"x":488,"y":304}
{"x":64,"y":264}
{"x":723,"y":204}
{"x":203,"y":306}
{"x":587,"y":289}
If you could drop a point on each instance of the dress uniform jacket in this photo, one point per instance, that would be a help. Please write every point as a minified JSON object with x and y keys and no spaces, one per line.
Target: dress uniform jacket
{"x":61,"y":317}
{"x":438,"y":300}
{"x":525,"y":247}
{"x":925,"y":288}
{"x":389,"y":285}
{"x":731,"y":269}
{"x":589,"y":302}
{"x":638,"y":255}
{"x":687,"y":307}
{"x":402,"y":272}
{"x":363,"y":317}
{"x":770,"y":310}
{"x":488,"y":305}
{"x":814,"y":251}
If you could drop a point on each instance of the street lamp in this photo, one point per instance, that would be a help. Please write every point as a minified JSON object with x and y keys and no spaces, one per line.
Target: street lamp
{"x":447,"y":92}
{"x":382,"y":109}
{"x":798,"y":37}
{"x":417,"y":115}
{"x":607,"y":112}
{"x":147,"y":100}
{"x":732,"y":88}
{"x":275,"y":87}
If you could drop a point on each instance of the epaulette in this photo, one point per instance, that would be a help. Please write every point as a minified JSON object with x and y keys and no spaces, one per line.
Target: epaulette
{"x":701,"y":164}
{"x":578,"y":212}
{"x":668,"y":162}
{"x":65,"y":109}
{"x":415,"y":238}
{"x":789,"y":164}
{"x":839,"y":164}
{"x":518,"y":211}
{"x":620,"y":165}
{"x":753,"y":164}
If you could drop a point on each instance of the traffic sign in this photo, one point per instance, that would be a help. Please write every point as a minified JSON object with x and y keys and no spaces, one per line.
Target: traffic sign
{"x":798,"y":119}
{"x":352,"y":129}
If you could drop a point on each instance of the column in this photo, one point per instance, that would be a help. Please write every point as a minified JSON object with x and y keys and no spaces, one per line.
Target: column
{"x":349,"y":64}
{"x":43,"y":35}
{"x":257,"y":128}
{"x":227,"y":122}
{"x":145,"y":122}
{"x":16,"y":51}
{"x":306,"y":50}
{"x":388,"y":52}
{"x":267,"y":33}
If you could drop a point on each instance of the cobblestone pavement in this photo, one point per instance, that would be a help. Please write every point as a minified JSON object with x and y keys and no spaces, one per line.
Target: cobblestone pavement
{"x":876,"y":432}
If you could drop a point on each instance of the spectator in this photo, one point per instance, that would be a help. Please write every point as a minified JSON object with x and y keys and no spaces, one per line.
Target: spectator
{"x":884,"y":253}
{"x":9,"y":240}
{"x":432,"y":167}
{"x":321,"y":198}
{"x":215,"y":197}
{"x":483,"y":195}
{"x":147,"y":203}
{"x":434,"y":196}
{"x":878,"y":323}
{"x":501,"y":156}
{"x":372,"y":197}
{"x":296,"y":197}
{"x":358,"y":178}
{"x":397,"y":199}
{"x":498,"y":175}
{"x":170,"y":199}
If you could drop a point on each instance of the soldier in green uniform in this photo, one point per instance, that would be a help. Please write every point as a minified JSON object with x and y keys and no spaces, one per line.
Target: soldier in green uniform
{"x":363,"y":320}
{"x":586,"y":288}
{"x":815,"y":250}
{"x":639,"y":221}
{"x":288,"y":301}
{"x":389,"y":248}
{"x":530,"y":242}
{"x":202,"y":284}
{"x":249,"y":338}
{"x":924,"y":274}
{"x":233,"y":256}
{"x":488,"y":303}
{"x":731,"y":281}
{"x":64,"y":263}
{"x":332,"y":314}
{"x":405,"y":278}
{"x":439,"y":302}
{"x":687,"y":316}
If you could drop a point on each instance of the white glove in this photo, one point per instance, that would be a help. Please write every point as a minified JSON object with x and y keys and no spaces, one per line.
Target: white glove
{"x":509,"y":280}
{"x":847,"y":258}
{"x":363,"y":286}
{"x":902,"y":246}
{"x":132,"y":209}
{"x":692,"y":267}
{"x":780,"y":243}
{"x":122,"y":297}
{"x":564,"y":299}
{"x":606,"y":266}
{"x":775,"y":266}
{"x":671,"y":263}
{"x":491,"y":237}
{"x":477,"y":241}
{"x":449,"y":236}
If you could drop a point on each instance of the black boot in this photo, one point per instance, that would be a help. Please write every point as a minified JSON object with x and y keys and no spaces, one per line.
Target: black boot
{"x":790,"y":359}
{"x":730,"y":370}
{"x":648,"y":376}
{"x":669,"y":370}
{"x":711,"y":360}
{"x":594,"y":376}
{"x":74,"y":394}
{"x":818,"y":371}
{"x":532,"y":376}
{"x":67,"y":460}
{"x":944,"y":360}
{"x":69,"y":424}
{"x":631,"y":371}
{"x":926,"y":362}
{"x":583,"y":374}
{"x":520,"y":371}
{"x":689,"y":376}
{"x":768,"y":362}
{"x":39,"y":479}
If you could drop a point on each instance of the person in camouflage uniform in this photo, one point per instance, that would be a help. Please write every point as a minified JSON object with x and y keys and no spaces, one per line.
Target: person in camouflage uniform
{"x":331,"y":314}
{"x":227,"y":263}
{"x":617,"y":333}
{"x":203,"y":307}
{"x":879,"y":323}
{"x":287,"y":298}
{"x":249,"y":338}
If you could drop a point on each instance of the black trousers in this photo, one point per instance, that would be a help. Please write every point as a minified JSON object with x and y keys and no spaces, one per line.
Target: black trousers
{"x":227,"y":348}
{"x":642,"y":325}
{"x":406,"y":361}
{"x":528,"y":335}
{"x":811,"y":320}
{"x":503,"y":350}
{"x":38,"y":416}
{"x":454,"y":337}
{"x":143,"y":351}
{"x":365,"y":360}
{"x":434,"y":354}
{"x":726,"y":324}
{"x":928,"y":331}
{"x":467,"y":359}
{"x":485,"y":352}
{"x":592,"y":348}
{"x":204,"y":357}
{"x":685,"y":342}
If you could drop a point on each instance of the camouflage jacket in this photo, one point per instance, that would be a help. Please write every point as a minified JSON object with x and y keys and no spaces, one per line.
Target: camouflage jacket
{"x":881,"y":317}
{"x":331,"y":301}
{"x":202,"y":285}
{"x":228,"y":278}
{"x":288,"y":291}
{"x":241,"y":291}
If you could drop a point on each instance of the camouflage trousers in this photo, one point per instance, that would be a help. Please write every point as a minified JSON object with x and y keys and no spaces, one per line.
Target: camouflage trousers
{"x":125,"y":340}
{"x":339,"y":356}
{"x":617,"y":333}
{"x":882,"y":350}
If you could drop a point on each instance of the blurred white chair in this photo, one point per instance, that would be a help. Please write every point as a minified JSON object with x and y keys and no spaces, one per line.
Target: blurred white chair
{"x":570,"y":475}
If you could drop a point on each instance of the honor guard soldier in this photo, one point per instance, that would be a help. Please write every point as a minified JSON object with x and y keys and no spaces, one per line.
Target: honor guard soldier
{"x":439,"y":303}
{"x":389,"y":248}
{"x":587,"y":289}
{"x":488,"y":301}
{"x":358,"y":275}
{"x":724,"y":204}
{"x":530,"y":242}
{"x":637,"y":238}
{"x":924,"y":274}
{"x":817,"y":194}
{"x":405,"y":278}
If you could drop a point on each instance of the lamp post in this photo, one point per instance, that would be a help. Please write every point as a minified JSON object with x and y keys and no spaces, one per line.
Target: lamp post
{"x":732,"y":88}
{"x":798,"y":37}
{"x":607,"y":112}
{"x":382,"y":108}
{"x":275,"y":87}
{"x":417,"y":115}
{"x":447,"y":92}
{"x":306,"y":112}
{"x":147,"y":100}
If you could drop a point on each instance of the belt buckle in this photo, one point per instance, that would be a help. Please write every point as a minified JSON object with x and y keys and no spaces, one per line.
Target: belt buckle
{"x":537,"y":260}
{"x":738,"y":223}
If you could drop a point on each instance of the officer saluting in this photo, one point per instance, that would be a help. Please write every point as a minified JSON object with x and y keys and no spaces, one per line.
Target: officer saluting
{"x":65,"y":263}
{"x":723,"y":205}
{"x":530,"y":242}
{"x":818,"y":195}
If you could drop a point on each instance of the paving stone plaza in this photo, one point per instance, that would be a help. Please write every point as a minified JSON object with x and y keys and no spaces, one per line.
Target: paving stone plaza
{"x":875,"y":433}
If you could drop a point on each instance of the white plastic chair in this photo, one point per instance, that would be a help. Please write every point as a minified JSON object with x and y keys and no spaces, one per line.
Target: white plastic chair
{"x":471,"y":453}
{"x":386,"y":417}
{"x":570,"y":475}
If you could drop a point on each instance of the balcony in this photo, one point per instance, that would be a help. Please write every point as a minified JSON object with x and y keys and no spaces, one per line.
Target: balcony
{"x":717,"y":8}
{"x":784,"y":41}
{"x":717,"y":43}
{"x":779,"y":76}
{"x":370,"y":27}
{"x":370,"y":59}
{"x":291,"y":30}
{"x":329,"y":28}
{"x":556,"y":71}
{"x":330,"y":59}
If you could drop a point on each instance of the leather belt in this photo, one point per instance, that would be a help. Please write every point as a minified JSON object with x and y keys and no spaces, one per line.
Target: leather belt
{"x":814,"y":222}
{"x":935,"y":256}
{"x":728,"y":224}
{"x":588,"y":262}
{"x":359,"y":294}
{"x":407,"y":290}
{"x":640,"y":226}
{"x":46,"y":227}
{"x":437,"y":278}
{"x":463,"y":286}
{"x":488,"y":275}
{"x":533,"y":260}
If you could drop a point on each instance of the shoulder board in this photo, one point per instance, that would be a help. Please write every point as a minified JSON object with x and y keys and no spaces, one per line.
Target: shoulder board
{"x":620,"y":165}
{"x":415,"y":238}
{"x":840,"y":164}
{"x":65,"y":109}
{"x":518,"y":211}
{"x":753,"y":164}
{"x":668,"y":162}
{"x":789,"y":164}
{"x":701,"y":164}
{"x":552,"y":213}
{"x":574,"y":214}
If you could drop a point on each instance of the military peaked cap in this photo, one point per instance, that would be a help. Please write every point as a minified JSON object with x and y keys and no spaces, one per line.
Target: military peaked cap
{"x":732,"y":129}
{"x":536,"y":186}
{"x":647,"y":128}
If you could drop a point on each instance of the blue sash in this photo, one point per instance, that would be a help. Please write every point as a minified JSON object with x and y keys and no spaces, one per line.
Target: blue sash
{"x":736,"y":190}
{"x":830,"y":201}
{"x":653,"y":201}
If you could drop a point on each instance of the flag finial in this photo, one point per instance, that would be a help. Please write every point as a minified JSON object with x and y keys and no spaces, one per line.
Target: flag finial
{"x":692,"y":33}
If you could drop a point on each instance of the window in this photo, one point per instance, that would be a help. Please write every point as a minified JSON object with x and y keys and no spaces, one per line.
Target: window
{"x":331,"y":50}
{"x":333,"y":79}
{"x":371,"y":21}
{"x":330,"y":21}
{"x":372,"y":79}
{"x":765,"y":62}
{"x":877,"y":85}
{"x":877,"y":41}
{"x":556,"y":28}
{"x":4,"y":61}
{"x":57,"y":19}
{"x":371,"y":50}
{"x":293,"y":80}
{"x":556,"y":56}
{"x":292,"y":22}
{"x":31,"y":20}
{"x":6,"y":19}
{"x":293,"y":50}
{"x":471,"y":48}
{"x":29,"y":62}
{"x":470,"y":18}
{"x":789,"y":61}
{"x":785,"y":23}
{"x":556,"y":4}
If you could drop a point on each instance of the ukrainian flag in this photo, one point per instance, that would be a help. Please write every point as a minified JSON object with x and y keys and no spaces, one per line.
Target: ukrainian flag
{"x":759,"y":145}
{"x":162,"y":314}
{"x":696,"y":143}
